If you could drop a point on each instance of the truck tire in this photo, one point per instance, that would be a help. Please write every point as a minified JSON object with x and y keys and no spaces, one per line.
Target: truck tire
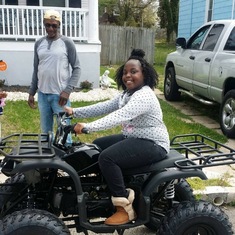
{"x":183,"y":192}
{"x":195,"y":217}
{"x":227,"y":117}
{"x":7,"y":192}
{"x":32,"y":221}
{"x":171,"y":89}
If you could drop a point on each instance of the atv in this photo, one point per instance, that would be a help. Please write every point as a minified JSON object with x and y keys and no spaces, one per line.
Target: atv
{"x":53,"y":187}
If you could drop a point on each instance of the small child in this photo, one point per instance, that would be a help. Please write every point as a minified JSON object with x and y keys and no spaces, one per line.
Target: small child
{"x":144,"y":139}
{"x":3,"y":95}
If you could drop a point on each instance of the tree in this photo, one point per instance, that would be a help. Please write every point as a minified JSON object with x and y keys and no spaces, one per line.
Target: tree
{"x":138,"y":13}
{"x":168,"y":14}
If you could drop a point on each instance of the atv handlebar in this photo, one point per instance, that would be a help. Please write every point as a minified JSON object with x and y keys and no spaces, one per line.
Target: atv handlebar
{"x":64,"y":129}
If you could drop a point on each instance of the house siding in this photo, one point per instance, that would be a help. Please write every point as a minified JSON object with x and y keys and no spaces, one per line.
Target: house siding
{"x":19,"y":54}
{"x":222,"y":10}
{"x":193,"y":14}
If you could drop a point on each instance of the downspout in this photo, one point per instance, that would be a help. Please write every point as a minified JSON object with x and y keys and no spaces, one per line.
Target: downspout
{"x":232,"y":15}
{"x":191,"y":17}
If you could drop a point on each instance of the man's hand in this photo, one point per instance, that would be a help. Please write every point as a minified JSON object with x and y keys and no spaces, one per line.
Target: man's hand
{"x":78,"y":128}
{"x":31,"y":102}
{"x":63,"y":98}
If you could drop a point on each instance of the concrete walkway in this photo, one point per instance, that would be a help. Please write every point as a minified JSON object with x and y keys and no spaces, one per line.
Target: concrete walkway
{"x":216,"y":194}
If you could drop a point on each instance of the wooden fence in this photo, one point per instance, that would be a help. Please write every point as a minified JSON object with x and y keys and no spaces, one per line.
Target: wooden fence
{"x":117,"y":43}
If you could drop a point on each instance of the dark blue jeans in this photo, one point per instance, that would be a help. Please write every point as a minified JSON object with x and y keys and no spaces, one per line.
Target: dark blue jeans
{"x":123,"y":153}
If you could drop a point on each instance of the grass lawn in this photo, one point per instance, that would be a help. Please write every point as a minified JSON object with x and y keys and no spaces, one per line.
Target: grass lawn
{"x":18,"y":117}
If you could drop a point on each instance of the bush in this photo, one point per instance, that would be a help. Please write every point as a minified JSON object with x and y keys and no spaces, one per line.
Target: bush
{"x":86,"y":85}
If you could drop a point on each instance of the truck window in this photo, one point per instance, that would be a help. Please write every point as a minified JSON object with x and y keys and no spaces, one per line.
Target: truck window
{"x":212,"y":37}
{"x":195,"y":41}
{"x":230,"y":44}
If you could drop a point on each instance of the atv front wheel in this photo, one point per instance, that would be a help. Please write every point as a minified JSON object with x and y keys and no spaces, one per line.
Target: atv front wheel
{"x":33,"y":222}
{"x":10,"y":193}
{"x":195,"y":217}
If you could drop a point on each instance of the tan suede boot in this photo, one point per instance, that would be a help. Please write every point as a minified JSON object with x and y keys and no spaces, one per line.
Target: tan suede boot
{"x":124,"y":210}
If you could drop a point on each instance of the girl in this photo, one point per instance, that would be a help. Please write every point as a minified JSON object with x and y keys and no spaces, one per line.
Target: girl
{"x":144,"y":138}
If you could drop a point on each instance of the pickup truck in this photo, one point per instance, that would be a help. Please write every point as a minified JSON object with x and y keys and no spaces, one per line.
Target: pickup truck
{"x":203,"y":67}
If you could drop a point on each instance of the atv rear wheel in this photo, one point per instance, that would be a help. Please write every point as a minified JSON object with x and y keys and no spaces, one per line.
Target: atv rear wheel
{"x":33,"y":222}
{"x":183,"y":192}
{"x":196,"y":217}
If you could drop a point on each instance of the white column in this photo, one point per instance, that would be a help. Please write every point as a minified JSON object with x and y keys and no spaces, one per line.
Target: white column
{"x":93,"y":22}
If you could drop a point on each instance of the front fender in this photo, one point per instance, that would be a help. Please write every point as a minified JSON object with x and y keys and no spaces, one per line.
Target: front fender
{"x":54,"y":163}
{"x":169,"y":175}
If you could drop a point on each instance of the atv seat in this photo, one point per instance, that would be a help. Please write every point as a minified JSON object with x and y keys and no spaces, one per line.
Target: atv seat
{"x":167,"y":162}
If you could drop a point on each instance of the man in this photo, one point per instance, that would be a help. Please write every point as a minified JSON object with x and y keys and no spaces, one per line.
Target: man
{"x":56,"y":71}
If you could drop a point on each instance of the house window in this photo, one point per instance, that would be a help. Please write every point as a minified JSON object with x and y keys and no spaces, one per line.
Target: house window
{"x":210,"y":10}
{"x":32,"y":2}
{"x":75,"y":3}
{"x":58,"y":3}
{"x":11,"y":2}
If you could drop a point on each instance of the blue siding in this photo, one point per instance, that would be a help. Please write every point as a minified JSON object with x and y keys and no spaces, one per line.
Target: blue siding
{"x":185,"y":13}
{"x":192,"y":14}
{"x":222,"y":9}
{"x":198,"y":15}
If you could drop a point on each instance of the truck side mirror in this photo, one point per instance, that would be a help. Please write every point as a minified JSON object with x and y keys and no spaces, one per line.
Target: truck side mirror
{"x":181,"y":42}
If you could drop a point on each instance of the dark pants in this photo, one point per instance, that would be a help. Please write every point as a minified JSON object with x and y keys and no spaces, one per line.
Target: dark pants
{"x":123,"y":153}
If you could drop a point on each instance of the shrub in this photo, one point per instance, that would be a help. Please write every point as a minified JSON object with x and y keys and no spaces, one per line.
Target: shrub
{"x":86,"y":85}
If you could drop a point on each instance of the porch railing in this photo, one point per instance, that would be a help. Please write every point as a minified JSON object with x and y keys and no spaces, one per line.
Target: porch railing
{"x":26,"y":22}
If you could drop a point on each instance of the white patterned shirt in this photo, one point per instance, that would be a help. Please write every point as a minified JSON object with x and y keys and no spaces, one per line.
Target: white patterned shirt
{"x":139,"y":114}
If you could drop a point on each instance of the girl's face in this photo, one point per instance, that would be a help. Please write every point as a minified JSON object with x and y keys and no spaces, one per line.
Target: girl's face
{"x":133,"y":77}
{"x":52,"y":27}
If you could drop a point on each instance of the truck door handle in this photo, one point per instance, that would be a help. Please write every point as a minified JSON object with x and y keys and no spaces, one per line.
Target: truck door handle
{"x":191,"y":57}
{"x":208,"y":59}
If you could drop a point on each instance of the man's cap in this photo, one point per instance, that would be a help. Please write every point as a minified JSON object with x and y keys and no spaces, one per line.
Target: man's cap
{"x":52,"y":15}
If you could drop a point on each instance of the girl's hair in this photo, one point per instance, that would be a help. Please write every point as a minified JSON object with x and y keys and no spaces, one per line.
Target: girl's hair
{"x":150,"y":74}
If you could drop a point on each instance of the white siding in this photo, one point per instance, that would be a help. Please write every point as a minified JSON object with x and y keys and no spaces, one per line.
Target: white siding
{"x":22,"y":2}
{"x":85,"y":3}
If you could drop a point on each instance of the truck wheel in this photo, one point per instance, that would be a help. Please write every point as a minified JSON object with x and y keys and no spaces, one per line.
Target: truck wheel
{"x":32,"y":221}
{"x":227,"y":114}
{"x":195,"y":217}
{"x":183,"y":192}
{"x":8,"y":192}
{"x":171,"y":89}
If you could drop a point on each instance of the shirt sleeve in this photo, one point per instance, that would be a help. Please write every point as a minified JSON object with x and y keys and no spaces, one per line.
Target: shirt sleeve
{"x":34,"y":83}
{"x":128,"y":112}
{"x":98,"y":109}
{"x":75,"y":65}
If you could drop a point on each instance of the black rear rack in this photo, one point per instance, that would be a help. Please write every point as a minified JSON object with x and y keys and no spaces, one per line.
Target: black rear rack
{"x":19,"y":146}
{"x":201,"y":151}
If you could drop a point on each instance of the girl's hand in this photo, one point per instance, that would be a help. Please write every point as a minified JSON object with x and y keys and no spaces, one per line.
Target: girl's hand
{"x":78,"y":128}
{"x":68,"y":110}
